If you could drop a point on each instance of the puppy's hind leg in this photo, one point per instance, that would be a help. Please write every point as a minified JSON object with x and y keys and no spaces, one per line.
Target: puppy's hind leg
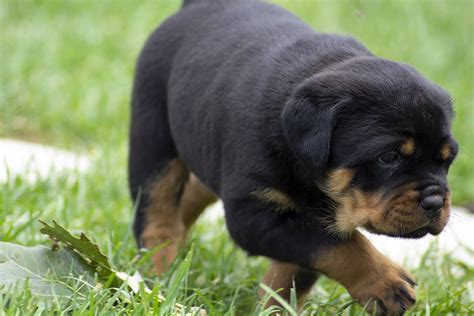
{"x":168,"y":200}
{"x":156,"y":175}
{"x":282,"y":277}
{"x":164,"y":225}
{"x":173,"y":203}
{"x":196,"y":197}
{"x":158,"y":221}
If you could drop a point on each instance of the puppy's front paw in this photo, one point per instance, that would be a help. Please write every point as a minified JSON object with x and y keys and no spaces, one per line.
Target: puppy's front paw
{"x":392,"y":288}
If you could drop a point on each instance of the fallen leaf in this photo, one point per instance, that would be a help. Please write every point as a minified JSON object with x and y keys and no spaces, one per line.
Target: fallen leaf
{"x":49,"y":273}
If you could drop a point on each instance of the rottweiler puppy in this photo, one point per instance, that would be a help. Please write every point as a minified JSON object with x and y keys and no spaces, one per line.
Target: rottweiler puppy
{"x":304,"y":136}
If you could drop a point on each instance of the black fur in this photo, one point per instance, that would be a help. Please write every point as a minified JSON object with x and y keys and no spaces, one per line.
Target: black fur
{"x":250,"y":97}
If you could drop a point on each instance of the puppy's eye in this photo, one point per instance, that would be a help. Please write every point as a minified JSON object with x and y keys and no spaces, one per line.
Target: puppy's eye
{"x":389,"y":158}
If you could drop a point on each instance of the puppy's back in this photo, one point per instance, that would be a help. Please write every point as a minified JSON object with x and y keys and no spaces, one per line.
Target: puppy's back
{"x":220,"y":65}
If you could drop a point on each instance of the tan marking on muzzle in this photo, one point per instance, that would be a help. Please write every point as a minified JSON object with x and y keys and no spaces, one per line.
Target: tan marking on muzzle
{"x":395,"y":214}
{"x":356,"y":209}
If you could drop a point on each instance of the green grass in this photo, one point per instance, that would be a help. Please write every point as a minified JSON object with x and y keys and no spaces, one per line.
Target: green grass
{"x":66,"y":69}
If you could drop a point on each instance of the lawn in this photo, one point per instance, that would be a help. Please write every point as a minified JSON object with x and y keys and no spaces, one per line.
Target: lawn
{"x":66,"y":69}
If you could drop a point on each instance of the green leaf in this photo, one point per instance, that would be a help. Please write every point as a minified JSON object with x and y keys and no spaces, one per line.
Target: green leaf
{"x":88,"y":250}
{"x":56,"y":272}
{"x":48,"y":272}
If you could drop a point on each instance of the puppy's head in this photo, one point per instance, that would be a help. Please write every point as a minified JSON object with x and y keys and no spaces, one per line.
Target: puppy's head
{"x":377,"y":136}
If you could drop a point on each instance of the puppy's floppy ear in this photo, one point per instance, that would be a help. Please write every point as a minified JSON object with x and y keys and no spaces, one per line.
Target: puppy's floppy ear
{"x":308,"y":119}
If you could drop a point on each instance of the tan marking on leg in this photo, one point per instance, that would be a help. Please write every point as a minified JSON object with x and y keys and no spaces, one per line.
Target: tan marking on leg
{"x":164,"y":224}
{"x":167,"y":249}
{"x":280,"y":277}
{"x":367,"y":274}
{"x":196,"y":197}
{"x":282,"y":201}
{"x":408,"y":147}
{"x":445,"y":151}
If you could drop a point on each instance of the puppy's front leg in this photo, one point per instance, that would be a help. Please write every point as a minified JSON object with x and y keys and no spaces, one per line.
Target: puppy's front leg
{"x":368,"y":275}
{"x":274,"y":229}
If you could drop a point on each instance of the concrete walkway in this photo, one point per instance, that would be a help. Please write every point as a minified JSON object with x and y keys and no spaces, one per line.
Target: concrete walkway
{"x":37,"y":161}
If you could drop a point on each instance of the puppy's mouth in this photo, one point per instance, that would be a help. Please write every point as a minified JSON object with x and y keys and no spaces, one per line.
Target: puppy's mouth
{"x":432,"y":228}
{"x":417,"y":233}
{"x":398,"y":214}
{"x":405,"y":218}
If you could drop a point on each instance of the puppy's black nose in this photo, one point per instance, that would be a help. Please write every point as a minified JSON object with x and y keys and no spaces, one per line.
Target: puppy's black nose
{"x":432,"y":204}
